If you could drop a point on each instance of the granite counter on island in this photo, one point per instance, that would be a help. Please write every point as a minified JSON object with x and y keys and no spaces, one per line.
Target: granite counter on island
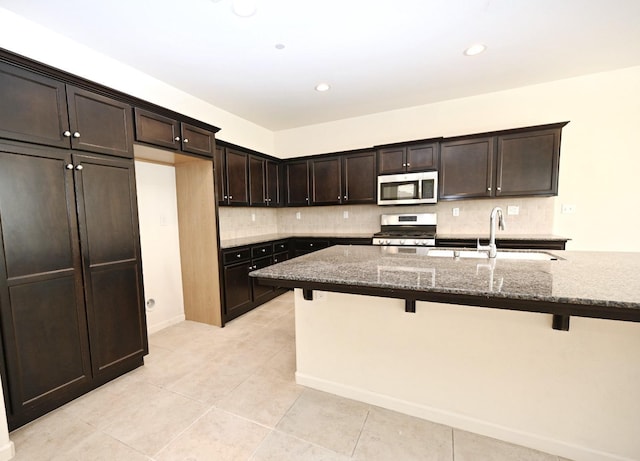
{"x":500,"y":372}
{"x":585,"y":284}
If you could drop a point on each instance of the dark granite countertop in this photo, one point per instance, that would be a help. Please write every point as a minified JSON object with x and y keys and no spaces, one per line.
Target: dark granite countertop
{"x":237,"y":242}
{"x":502,"y":236}
{"x":591,"y":284}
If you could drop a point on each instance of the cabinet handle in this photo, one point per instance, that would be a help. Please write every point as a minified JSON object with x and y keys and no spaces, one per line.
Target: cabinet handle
{"x":79,"y":167}
{"x":67,"y":134}
{"x":185,"y":140}
{"x":76,"y":134}
{"x":177,"y":138}
{"x":69,"y":166}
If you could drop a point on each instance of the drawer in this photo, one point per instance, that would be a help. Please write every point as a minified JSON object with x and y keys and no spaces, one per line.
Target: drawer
{"x":236,"y":255}
{"x":279,"y":257}
{"x":311,"y":245}
{"x":261,"y":262}
{"x":279,"y":247}
{"x":261,"y":250}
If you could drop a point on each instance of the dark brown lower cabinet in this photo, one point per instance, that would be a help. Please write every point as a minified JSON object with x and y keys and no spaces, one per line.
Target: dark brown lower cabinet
{"x":71,"y":300}
{"x":243,"y":293}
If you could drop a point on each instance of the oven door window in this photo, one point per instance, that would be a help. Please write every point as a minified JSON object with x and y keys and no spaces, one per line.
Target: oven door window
{"x":399,"y":190}
{"x":428,"y":189}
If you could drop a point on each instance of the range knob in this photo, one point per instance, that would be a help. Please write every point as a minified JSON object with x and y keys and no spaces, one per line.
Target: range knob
{"x":401,"y":242}
{"x":386,"y":242}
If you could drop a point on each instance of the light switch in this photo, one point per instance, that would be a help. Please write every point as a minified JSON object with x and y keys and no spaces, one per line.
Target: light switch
{"x":298,"y":215}
{"x":513,"y":210}
{"x":345,"y":214}
{"x":456,"y":211}
{"x":253,"y":217}
{"x":568,"y":209}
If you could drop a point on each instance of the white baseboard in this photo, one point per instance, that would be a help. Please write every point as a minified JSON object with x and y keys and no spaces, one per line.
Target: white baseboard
{"x":151,"y":329}
{"x":459,"y":421}
{"x":7,"y":451}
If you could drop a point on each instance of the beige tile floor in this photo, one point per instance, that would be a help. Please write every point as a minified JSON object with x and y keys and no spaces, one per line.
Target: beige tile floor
{"x":207,"y":393}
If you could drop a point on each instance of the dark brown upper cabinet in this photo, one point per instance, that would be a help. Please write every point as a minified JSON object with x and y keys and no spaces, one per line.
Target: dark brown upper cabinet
{"x":359,"y":178}
{"x":296,"y":180}
{"x":408,"y":158}
{"x":219,"y":166}
{"x":519,"y":162}
{"x":264,"y":182}
{"x":466,"y":168}
{"x":42,"y":110}
{"x":156,"y":129}
{"x":326,"y":182}
{"x":237,"y":177}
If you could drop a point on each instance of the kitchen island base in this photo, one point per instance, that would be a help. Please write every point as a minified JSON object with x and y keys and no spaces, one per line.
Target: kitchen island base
{"x":500,"y":373}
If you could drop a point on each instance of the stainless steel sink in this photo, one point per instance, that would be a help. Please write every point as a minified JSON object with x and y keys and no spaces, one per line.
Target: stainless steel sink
{"x":502,"y":254}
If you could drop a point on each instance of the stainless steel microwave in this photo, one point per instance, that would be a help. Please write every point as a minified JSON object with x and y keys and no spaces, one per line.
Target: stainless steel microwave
{"x":408,"y":188}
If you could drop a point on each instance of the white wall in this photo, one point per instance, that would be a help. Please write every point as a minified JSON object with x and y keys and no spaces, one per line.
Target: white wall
{"x":159,"y":239}
{"x":500,"y":373}
{"x":599,"y":163}
{"x":36,"y":42}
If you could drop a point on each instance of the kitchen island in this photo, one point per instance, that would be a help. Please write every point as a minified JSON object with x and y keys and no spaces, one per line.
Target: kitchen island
{"x":403,"y":330}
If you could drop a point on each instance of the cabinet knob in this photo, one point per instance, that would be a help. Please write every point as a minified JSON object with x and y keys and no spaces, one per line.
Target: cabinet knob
{"x":489,"y":189}
{"x":338,"y":197}
{"x":238,"y":255}
{"x":185,"y":140}
{"x":499,"y":188}
{"x":231,"y":197}
{"x":177,"y":138}
{"x":69,"y":166}
{"x":345,"y":197}
{"x":76,"y":134}
{"x":311,"y":244}
{"x":79,"y":167}
{"x":67,"y":134}
{"x":264,"y":250}
{"x":404,"y":164}
{"x":408,"y":164}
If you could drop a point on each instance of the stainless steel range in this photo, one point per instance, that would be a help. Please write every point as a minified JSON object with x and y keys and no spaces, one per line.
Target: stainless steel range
{"x":417,"y":229}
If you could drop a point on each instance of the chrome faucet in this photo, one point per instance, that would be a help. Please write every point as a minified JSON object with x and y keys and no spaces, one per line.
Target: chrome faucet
{"x":491,"y":248}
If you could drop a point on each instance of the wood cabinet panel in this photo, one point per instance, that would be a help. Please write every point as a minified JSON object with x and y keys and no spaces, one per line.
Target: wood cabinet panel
{"x":197,"y":140}
{"x":156,"y":129}
{"x":33,"y":108}
{"x":528,"y":163}
{"x":408,"y":158}
{"x":257,"y":177}
{"x":392,"y":160}
{"x":466,"y":168}
{"x":108,"y":222}
{"x":359,"y":178}
{"x":326,"y":183}
{"x":297,"y":183}
{"x":237,"y":290}
{"x":261,"y":293}
{"x":422,"y":157}
{"x":99,"y":124}
{"x":273,"y":184}
{"x":237,"y":174}
{"x":219,"y":167}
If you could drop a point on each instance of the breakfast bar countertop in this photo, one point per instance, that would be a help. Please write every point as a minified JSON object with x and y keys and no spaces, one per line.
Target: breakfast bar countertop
{"x":590,"y":284}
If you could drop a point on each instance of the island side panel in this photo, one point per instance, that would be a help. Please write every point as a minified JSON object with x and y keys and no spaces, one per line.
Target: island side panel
{"x":499,"y":373}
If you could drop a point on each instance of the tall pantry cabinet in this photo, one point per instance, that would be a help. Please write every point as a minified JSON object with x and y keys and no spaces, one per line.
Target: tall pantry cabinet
{"x":71,"y":300}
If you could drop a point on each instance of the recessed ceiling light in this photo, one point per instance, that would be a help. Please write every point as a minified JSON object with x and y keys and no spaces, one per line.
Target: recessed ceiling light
{"x":244,"y":8}
{"x":279,"y":46}
{"x":322,"y":87}
{"x":475,"y":49}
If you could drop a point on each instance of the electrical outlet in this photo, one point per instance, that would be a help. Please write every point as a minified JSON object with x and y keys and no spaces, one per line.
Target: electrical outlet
{"x":513,"y":210}
{"x":345,"y":214}
{"x":456,"y":211}
{"x":568,"y":208}
{"x":163,"y":220}
{"x":253,"y":217}
{"x":298,"y":215}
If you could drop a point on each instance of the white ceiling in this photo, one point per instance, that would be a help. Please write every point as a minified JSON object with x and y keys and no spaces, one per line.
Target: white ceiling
{"x":377,"y":55}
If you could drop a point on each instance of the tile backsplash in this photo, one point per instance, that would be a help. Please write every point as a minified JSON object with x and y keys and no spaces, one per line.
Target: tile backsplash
{"x":535,"y":216}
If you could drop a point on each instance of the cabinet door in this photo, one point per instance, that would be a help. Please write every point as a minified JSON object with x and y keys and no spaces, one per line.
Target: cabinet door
{"x":33,"y":108}
{"x":99,"y":124}
{"x":273,"y":184}
{"x":197,"y":140}
{"x":237,"y":290}
{"x":220,"y":175}
{"x":44,"y":331}
{"x":237,"y":168}
{"x":422,"y":157}
{"x":108,"y":223}
{"x":359,"y":173}
{"x":392,"y":160}
{"x":157,"y":130}
{"x":326,"y":182}
{"x":257,"y":175}
{"x":297,"y":183}
{"x":466,"y":168}
{"x":528,"y":163}
{"x":261,"y":292}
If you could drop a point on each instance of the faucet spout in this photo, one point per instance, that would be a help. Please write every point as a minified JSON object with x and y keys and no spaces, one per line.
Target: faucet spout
{"x":492,"y":249}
